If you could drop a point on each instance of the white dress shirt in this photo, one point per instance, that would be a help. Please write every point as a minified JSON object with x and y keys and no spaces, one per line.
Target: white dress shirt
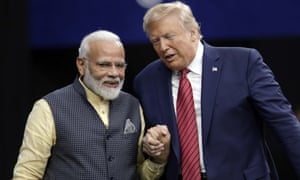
{"x":195,"y":78}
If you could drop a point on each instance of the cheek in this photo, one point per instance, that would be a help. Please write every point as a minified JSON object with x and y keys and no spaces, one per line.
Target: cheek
{"x":98,"y":75}
{"x":122,"y":75}
{"x":159,"y":53}
{"x":156,"y":48}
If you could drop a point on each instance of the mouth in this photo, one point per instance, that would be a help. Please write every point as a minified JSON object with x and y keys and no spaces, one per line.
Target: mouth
{"x":111,"y":84}
{"x":169,"y":57}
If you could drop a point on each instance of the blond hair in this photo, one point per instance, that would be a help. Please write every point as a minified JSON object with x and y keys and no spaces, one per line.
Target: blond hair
{"x":164,"y":9}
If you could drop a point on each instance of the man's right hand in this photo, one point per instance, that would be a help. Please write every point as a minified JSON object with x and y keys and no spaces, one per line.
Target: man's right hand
{"x":156,"y":143}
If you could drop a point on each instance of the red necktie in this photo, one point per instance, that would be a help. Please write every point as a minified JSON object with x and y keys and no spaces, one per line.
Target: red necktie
{"x":187,"y":129}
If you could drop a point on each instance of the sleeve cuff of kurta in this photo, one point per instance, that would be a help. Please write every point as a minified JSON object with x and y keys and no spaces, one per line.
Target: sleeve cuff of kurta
{"x":156,"y":168}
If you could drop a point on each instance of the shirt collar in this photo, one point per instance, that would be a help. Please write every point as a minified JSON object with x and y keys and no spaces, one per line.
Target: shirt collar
{"x":197,"y":61}
{"x":196,"y":64}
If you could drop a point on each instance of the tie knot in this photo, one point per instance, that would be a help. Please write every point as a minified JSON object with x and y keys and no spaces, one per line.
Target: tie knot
{"x":184,"y":72}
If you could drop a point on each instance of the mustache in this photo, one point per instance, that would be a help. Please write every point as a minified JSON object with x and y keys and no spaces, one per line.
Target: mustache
{"x":111,"y":79}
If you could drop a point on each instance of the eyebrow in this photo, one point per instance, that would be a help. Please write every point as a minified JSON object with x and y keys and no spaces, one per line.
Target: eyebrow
{"x":106,"y":60}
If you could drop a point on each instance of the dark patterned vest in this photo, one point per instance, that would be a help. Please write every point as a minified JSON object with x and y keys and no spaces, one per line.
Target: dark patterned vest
{"x":84,"y":148}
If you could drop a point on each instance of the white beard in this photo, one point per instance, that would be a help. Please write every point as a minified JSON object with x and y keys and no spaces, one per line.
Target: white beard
{"x":97,"y":86}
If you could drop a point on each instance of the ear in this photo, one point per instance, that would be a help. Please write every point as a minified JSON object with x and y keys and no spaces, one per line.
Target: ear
{"x":194,"y":35}
{"x":80,"y":63}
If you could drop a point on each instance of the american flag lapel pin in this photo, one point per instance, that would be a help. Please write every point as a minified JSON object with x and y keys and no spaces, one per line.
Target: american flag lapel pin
{"x":214,"y":69}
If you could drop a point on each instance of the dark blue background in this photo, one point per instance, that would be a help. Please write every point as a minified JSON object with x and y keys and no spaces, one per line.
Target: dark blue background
{"x":62,"y":23}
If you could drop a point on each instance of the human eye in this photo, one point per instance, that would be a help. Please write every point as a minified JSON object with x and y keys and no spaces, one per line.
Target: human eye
{"x":104,"y":64}
{"x":155,"y":41}
{"x":121,"y":65}
{"x":170,"y":36}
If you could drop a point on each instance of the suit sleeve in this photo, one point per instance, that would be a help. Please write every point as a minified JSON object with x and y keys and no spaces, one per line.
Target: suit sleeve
{"x":274,"y":108}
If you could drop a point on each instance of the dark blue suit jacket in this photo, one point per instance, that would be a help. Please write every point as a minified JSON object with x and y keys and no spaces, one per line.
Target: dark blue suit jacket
{"x":239,"y":96}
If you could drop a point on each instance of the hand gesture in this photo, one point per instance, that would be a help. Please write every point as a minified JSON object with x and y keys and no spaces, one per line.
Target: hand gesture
{"x":156,"y":143}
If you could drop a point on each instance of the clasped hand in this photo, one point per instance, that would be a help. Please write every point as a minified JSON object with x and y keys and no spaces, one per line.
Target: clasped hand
{"x":156,"y":143}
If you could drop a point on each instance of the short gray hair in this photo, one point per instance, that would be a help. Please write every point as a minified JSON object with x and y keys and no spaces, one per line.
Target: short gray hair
{"x":94,"y":36}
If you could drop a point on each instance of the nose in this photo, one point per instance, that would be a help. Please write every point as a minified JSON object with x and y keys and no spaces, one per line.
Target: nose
{"x":163,"y":45}
{"x":113,"y":71}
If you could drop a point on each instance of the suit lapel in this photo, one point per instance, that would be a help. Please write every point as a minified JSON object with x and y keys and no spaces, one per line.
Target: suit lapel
{"x":212,"y":66}
{"x":164,"y":91}
{"x":211,"y":75}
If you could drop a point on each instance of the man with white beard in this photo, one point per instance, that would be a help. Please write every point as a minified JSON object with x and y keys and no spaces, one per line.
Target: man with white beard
{"x":91,"y":129}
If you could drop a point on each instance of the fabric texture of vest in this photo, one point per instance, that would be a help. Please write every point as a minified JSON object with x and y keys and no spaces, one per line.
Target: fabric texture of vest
{"x":84,"y":148}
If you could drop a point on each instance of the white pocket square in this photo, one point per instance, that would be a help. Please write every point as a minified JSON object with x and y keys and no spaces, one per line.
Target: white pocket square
{"x":129,"y":127}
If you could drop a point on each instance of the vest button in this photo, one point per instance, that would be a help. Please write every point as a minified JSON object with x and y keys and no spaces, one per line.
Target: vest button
{"x":108,"y":137}
{"x":110,"y":158}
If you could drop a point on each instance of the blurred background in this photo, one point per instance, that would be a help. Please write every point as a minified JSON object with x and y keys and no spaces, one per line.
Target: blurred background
{"x":39,"y":42}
